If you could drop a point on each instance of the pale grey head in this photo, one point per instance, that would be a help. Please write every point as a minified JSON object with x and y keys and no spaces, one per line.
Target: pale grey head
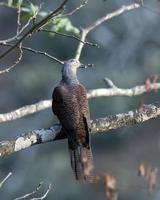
{"x":69,"y":71}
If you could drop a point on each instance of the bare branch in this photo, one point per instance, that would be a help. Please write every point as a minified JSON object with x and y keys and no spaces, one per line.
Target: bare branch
{"x":81,"y":45}
{"x":15,"y":63}
{"x":98,"y":126}
{"x":112,"y":15}
{"x":19,"y":16}
{"x":16,"y":37}
{"x":83,"y":3}
{"x":31,"y":193}
{"x":20,"y":45}
{"x":4,"y":180}
{"x":69,"y":36}
{"x":109,"y":83}
{"x":95,"y":93}
{"x":45,"y":194}
{"x":26,"y":110}
{"x":36,"y":52}
{"x":115,"y":91}
{"x":105,"y":18}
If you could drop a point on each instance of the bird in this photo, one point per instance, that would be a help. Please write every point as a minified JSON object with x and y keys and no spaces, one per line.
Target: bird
{"x":70,"y":105}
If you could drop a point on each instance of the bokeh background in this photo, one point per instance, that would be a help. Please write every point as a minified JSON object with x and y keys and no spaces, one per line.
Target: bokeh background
{"x":129,"y":52}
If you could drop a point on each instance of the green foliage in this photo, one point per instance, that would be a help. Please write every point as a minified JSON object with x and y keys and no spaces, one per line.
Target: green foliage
{"x":9,"y":3}
{"x":33,"y":9}
{"x":29,"y":10}
{"x":62,"y":25}
{"x":13,"y":3}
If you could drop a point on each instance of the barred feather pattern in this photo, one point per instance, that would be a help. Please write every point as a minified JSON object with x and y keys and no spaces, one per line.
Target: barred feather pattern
{"x":70,"y":104}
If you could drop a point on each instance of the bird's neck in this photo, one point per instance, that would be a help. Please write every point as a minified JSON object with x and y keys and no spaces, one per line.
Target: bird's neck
{"x":69,"y":75}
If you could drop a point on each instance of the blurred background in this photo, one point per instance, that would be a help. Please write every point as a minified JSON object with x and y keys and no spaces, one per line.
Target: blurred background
{"x":129,"y":52}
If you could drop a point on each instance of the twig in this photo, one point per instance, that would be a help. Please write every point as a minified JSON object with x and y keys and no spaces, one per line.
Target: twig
{"x":8,"y":68}
{"x":105,"y":18}
{"x":101,"y":125}
{"x":4,"y":180}
{"x":19,"y":16}
{"x":20,"y":45}
{"x":45,"y":194}
{"x":109,"y":83}
{"x":35,"y":27}
{"x":84,"y":2}
{"x":95,"y":93}
{"x":112,"y":15}
{"x":37,"y":52}
{"x":70,"y":36}
{"x":31,"y":193}
{"x":44,"y":54}
{"x":16,"y":37}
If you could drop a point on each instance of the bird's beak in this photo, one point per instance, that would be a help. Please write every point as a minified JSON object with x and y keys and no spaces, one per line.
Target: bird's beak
{"x":85,"y":66}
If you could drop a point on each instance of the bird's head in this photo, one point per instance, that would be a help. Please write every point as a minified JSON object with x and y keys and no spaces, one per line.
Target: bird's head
{"x":69,"y":70}
{"x":73,"y":63}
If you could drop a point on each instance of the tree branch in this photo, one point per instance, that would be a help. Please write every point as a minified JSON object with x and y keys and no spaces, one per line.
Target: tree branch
{"x":25,"y":110}
{"x":95,"y":93}
{"x":85,"y":31}
{"x":18,"y":34}
{"x":31,"y":193}
{"x":69,"y":36}
{"x":19,"y":46}
{"x":98,"y":126}
{"x":112,"y":15}
{"x":115,"y":91}
{"x":8,"y":68}
{"x":83,"y":3}
{"x":34,"y":192}
{"x":35,"y":27}
{"x":36,"y":52}
{"x":45,"y":194}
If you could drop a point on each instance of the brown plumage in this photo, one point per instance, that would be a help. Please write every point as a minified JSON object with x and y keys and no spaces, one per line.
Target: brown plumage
{"x":70,"y":104}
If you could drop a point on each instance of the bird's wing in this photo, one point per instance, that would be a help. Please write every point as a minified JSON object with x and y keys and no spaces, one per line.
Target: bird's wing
{"x":65,"y":106}
{"x":84,"y":105}
{"x":84,"y":122}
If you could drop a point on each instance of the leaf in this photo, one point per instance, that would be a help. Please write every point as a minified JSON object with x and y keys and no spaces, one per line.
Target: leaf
{"x":33,"y":9}
{"x":25,"y":18}
{"x":62,"y":25}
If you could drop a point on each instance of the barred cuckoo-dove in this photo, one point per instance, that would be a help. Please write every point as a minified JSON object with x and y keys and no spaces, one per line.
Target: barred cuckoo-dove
{"x":70,"y":105}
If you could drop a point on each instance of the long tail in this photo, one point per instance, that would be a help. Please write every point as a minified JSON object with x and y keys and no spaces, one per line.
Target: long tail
{"x":82,"y":163}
